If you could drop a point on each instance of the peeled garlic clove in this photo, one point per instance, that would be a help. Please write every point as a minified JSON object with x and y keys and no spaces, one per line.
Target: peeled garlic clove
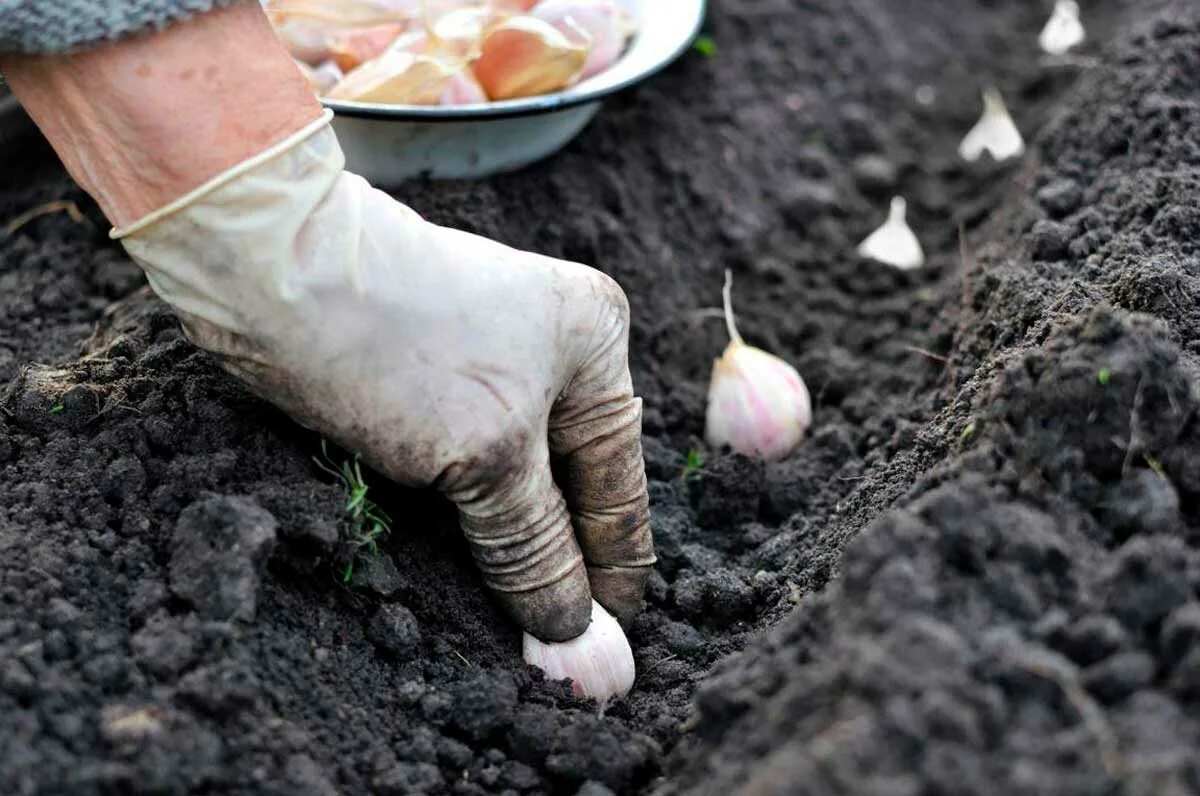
{"x":1063,"y":30}
{"x":601,"y":25}
{"x":757,"y":404}
{"x":995,"y":132}
{"x":353,"y":48}
{"x":894,"y":243}
{"x":599,"y":663}
{"x":523,"y":56}
{"x":321,"y":77}
{"x":396,"y":78}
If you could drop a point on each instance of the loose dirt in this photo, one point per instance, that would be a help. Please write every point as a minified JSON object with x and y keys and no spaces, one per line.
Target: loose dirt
{"x":979,"y":575}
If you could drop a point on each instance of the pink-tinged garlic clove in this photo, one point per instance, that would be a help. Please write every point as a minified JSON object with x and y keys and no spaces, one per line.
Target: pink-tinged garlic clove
{"x":523,"y":56}
{"x":463,"y":89}
{"x":321,"y":77}
{"x":599,"y":663}
{"x":601,"y":25}
{"x":757,"y":404}
{"x":308,"y":27}
{"x":353,"y":48}
{"x":514,"y":6}
{"x":398,"y":79}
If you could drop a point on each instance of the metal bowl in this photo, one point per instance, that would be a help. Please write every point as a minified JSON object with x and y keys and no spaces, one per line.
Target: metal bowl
{"x":390,"y":143}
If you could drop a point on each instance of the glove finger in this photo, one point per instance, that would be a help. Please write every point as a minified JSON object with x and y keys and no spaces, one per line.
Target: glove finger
{"x":519,"y":530}
{"x":596,"y":429}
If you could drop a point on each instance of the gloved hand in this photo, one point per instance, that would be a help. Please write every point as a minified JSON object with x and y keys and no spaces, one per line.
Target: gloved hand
{"x":443,"y":358}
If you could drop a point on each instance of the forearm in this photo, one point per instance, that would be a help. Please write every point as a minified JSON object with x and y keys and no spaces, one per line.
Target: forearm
{"x":140,"y":122}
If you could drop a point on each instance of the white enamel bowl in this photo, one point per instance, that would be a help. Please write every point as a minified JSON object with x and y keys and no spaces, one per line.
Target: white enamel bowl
{"x":390,"y":143}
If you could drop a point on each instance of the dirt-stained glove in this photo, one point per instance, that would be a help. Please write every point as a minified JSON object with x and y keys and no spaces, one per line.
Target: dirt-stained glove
{"x":445,"y":359}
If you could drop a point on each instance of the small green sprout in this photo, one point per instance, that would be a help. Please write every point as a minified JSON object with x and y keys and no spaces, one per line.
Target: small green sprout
{"x":705,"y":45}
{"x":967,"y":432}
{"x":56,"y":409}
{"x":1103,"y":377}
{"x":1155,"y":465}
{"x":367,"y":524}
{"x":692,"y":465}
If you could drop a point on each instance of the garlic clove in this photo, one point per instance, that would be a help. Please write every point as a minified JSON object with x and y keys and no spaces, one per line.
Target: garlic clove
{"x":757,"y":404}
{"x":1063,"y":30}
{"x":598,"y":663}
{"x":397,"y":78}
{"x":321,"y":77}
{"x":602,"y":25}
{"x":463,"y":89}
{"x":995,"y":132}
{"x":309,"y":27}
{"x":514,"y":6}
{"x":522,"y":56}
{"x":894,"y":243}
{"x":353,"y":48}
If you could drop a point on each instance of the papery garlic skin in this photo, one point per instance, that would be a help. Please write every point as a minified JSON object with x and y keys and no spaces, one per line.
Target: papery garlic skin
{"x":1063,"y":30}
{"x":894,"y":243}
{"x":601,"y":25}
{"x":598,"y":663}
{"x":995,"y":132}
{"x":757,"y":404}
{"x":523,"y":56}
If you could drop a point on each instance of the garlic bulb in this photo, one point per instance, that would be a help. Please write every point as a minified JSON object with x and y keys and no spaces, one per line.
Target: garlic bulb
{"x":601,"y":25}
{"x":995,"y":132}
{"x":599,"y":663}
{"x":757,"y":403}
{"x":894,"y":243}
{"x":1063,"y":30}
{"x":523,"y":56}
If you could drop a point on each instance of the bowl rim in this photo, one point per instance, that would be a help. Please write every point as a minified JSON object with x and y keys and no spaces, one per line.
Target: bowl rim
{"x":524,"y":106}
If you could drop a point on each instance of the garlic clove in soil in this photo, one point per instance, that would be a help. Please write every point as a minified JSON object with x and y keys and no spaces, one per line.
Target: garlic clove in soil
{"x":602,"y":25}
{"x":523,"y":56}
{"x":894,"y":243}
{"x":598,"y":663}
{"x":757,"y":404}
{"x":1063,"y":30}
{"x":995,"y":132}
{"x":406,"y":79}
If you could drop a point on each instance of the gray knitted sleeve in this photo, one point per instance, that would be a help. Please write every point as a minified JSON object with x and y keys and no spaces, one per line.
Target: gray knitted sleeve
{"x":55,"y":26}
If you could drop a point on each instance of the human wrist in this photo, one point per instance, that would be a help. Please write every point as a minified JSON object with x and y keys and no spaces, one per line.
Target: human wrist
{"x":141,"y":122}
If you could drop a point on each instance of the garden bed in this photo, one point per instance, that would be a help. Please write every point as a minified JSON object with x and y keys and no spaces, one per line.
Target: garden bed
{"x":979,"y":574}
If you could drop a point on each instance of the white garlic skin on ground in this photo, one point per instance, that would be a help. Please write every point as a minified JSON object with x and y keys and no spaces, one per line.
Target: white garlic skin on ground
{"x":894,"y":243}
{"x":1063,"y":30}
{"x":995,"y":133}
{"x":757,"y":404}
{"x":598,"y":663}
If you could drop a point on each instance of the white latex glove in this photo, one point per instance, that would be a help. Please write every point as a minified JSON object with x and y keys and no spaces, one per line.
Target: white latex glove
{"x":445,"y":359}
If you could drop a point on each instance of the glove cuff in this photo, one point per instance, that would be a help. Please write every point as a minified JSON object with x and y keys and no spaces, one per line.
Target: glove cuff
{"x":225,"y":177}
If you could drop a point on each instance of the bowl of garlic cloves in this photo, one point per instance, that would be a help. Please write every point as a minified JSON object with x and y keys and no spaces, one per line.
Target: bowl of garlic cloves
{"x":459,"y":89}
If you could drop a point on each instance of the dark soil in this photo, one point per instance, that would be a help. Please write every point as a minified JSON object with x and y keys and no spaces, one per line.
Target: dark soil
{"x":980,"y":574}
